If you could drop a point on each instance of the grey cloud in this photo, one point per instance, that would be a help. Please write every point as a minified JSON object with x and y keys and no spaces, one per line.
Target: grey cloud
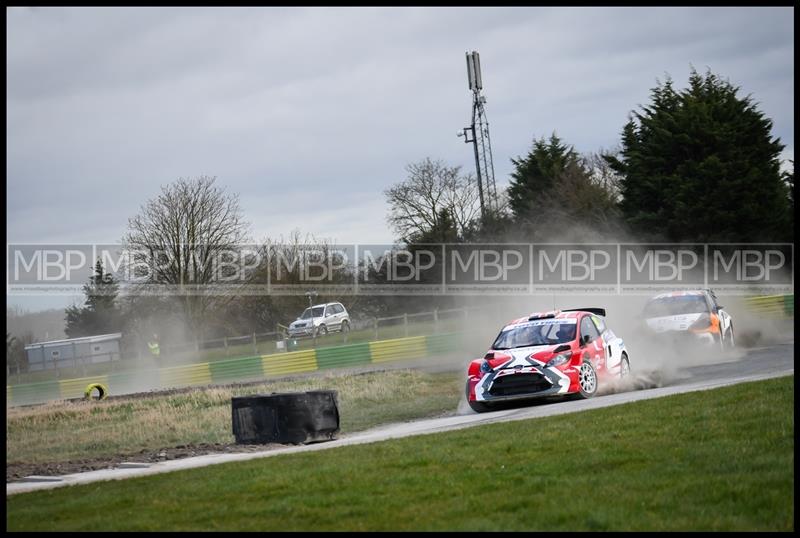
{"x":308,"y":111}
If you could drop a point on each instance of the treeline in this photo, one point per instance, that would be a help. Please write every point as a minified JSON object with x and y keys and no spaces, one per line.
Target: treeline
{"x":694,"y":165}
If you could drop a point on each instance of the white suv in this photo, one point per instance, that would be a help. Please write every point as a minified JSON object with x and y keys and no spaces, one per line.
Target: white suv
{"x":321,"y":319}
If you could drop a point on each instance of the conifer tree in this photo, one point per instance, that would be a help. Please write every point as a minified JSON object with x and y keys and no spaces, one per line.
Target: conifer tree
{"x":701,"y":165}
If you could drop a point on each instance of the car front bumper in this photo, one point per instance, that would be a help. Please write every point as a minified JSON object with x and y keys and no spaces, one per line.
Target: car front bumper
{"x":520,"y":386}
{"x":301,"y":331}
{"x":685,"y":338}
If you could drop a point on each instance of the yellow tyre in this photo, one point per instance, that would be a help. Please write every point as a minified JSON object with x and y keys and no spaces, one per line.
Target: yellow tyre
{"x":102,"y":391}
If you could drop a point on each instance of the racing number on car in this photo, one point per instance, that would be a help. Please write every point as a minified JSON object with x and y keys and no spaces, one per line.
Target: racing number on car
{"x":600,"y":355}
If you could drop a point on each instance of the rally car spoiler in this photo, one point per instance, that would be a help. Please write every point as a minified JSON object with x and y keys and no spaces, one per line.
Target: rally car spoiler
{"x":598,"y":311}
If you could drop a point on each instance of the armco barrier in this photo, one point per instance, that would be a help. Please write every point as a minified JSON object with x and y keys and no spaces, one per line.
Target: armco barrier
{"x":35,"y":393}
{"x":774,"y":306}
{"x":350,"y":355}
{"x":443,"y":343}
{"x":401,"y":348}
{"x":194,"y":374}
{"x":241,"y":369}
{"x":237,"y":369}
{"x":290,"y":363}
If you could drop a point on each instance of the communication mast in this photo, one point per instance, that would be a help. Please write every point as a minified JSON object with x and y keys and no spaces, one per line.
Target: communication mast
{"x":478,"y":134}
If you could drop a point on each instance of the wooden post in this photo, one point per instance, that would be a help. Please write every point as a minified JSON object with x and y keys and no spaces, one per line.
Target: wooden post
{"x":55,"y":362}
{"x":435,"y":320}
{"x":375,"y":323}
{"x":255,"y":345}
{"x":405,"y":324}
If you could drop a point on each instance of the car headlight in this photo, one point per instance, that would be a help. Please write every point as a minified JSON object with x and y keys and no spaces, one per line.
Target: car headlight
{"x":486,"y":367}
{"x":559,"y":359}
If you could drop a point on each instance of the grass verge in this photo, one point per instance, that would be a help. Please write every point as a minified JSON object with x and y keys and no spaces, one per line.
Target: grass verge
{"x":711,"y":460}
{"x":62,"y":431}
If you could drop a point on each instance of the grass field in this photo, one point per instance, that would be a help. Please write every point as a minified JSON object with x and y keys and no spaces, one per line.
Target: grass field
{"x":61,"y":431}
{"x":711,"y":460}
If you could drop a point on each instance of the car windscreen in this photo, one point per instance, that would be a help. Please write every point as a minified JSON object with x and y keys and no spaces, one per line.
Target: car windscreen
{"x":536,"y":333}
{"x":317,"y":312}
{"x":675,"y":306}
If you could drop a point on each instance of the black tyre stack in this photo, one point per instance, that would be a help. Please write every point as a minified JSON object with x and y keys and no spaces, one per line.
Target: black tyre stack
{"x":288,"y":418}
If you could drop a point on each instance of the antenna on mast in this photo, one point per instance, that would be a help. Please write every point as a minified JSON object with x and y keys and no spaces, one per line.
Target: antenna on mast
{"x":478,"y":134}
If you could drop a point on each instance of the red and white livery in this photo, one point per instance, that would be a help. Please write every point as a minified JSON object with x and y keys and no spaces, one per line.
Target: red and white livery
{"x":562,"y":352}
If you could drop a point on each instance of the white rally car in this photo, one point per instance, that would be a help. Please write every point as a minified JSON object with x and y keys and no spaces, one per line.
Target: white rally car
{"x":690,"y":317}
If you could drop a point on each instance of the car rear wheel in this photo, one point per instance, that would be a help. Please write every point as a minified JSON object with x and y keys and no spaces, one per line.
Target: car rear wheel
{"x":624,"y":367}
{"x":587,"y":380}
{"x":345,"y":327}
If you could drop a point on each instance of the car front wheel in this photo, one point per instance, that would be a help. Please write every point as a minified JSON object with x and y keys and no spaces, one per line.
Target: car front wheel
{"x":587,"y":380}
{"x":478,"y":407}
{"x":322,"y":331}
{"x":624,"y":367}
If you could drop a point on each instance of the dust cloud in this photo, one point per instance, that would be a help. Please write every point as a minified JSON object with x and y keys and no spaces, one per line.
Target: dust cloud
{"x":654,"y":362}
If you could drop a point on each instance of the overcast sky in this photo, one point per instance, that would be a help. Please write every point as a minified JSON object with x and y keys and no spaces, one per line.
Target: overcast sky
{"x":310,"y":114}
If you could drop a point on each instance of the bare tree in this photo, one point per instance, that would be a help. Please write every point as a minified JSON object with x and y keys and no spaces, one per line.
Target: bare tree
{"x":433,"y":196}
{"x":180,"y":236}
{"x":603,"y":175}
